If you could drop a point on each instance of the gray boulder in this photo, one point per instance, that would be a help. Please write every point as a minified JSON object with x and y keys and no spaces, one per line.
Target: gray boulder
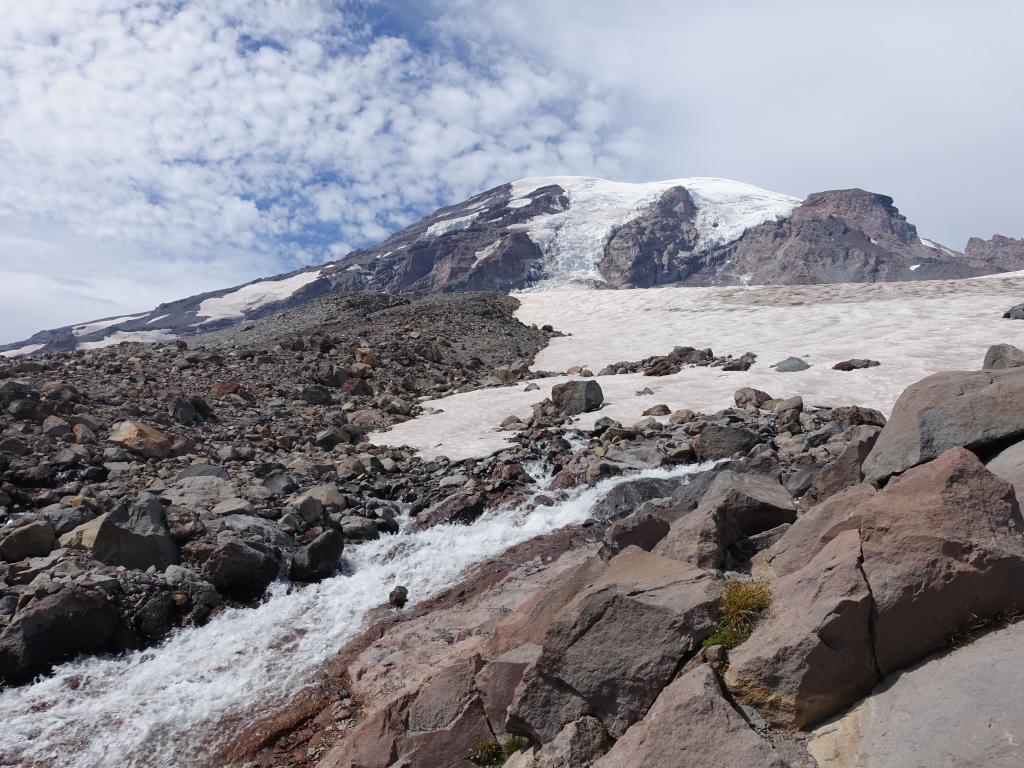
{"x":318,"y":559}
{"x":719,"y":442}
{"x":65,"y":519}
{"x":973,"y":409}
{"x":791,"y":365}
{"x":134,"y":534}
{"x":576,"y":397}
{"x":1016,"y":312}
{"x":624,"y":498}
{"x":1001,"y":356}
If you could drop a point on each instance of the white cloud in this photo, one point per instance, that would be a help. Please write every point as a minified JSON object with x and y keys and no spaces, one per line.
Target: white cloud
{"x":152,"y":130}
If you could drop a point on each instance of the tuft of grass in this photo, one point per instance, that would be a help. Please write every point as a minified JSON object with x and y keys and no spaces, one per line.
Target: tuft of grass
{"x":488,"y":753}
{"x":515,"y":744}
{"x":741,"y":606}
{"x":979,"y":625}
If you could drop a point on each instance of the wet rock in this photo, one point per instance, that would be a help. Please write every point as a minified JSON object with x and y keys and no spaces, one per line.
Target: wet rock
{"x":626,"y":497}
{"x":141,"y":439}
{"x":34,"y":539}
{"x":53,"y":628}
{"x":460,"y":507}
{"x":692,"y":724}
{"x":319,"y":559}
{"x":398,"y":596}
{"x":240,"y":570}
{"x":575,"y":397}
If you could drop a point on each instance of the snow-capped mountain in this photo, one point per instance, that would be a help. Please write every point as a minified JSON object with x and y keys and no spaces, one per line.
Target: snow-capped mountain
{"x":541,"y":232}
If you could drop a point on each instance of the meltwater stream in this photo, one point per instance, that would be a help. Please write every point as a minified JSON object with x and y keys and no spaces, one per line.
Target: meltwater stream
{"x":155,"y":708}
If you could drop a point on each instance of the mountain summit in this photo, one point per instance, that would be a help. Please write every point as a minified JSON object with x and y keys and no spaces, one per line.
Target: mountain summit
{"x":547,"y":232}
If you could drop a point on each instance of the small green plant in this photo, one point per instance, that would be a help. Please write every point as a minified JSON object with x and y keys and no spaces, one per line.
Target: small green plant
{"x":488,"y":753}
{"x":515,"y":744}
{"x":741,"y":605}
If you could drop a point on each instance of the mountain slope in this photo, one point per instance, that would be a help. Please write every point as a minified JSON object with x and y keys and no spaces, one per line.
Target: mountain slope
{"x":542,"y":232}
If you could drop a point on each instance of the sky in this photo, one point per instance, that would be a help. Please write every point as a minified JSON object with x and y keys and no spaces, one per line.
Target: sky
{"x":154,"y":149}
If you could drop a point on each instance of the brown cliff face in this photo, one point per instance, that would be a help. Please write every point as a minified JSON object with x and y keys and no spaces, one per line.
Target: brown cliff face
{"x":998,"y":253}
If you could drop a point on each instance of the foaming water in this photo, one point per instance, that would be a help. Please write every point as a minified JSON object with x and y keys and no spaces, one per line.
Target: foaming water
{"x":154,"y":708}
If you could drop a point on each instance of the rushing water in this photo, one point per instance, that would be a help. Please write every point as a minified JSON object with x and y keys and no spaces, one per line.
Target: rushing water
{"x":153,"y":708}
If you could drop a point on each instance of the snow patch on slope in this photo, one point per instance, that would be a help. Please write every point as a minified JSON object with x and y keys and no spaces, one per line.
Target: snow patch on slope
{"x":28,"y":349}
{"x":87,"y":328}
{"x":138,"y":337}
{"x":572,"y":241}
{"x":938,"y":247}
{"x":450,"y":225}
{"x":253,"y":296}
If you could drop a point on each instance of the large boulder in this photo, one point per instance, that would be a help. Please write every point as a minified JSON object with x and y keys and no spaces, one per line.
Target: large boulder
{"x":576,"y":397}
{"x":33,"y":539}
{"x":973,"y":409}
{"x":963,"y":709}
{"x":461,"y":507}
{"x":811,"y":655}
{"x":239,"y":570}
{"x":940,"y":547}
{"x":53,"y":628}
{"x":142,"y":439}
{"x":134,"y":534}
{"x":626,"y":497}
{"x":692,"y":724}
{"x":318,"y":559}
{"x":616,"y":645}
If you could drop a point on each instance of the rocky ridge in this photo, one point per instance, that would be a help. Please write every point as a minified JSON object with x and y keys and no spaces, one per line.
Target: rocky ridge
{"x":579,"y":231}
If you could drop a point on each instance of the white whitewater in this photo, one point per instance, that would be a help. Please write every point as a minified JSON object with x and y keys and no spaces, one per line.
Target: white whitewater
{"x":154,"y":708}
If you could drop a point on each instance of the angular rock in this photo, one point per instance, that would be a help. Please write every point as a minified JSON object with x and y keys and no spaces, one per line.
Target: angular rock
{"x":756,"y":502}
{"x":811,"y":654}
{"x":693,"y":725}
{"x":973,"y":409}
{"x":575,"y":397}
{"x":750,"y":398}
{"x":626,"y":497}
{"x":318,"y":559}
{"x":1001,"y":356}
{"x":846,"y":470}
{"x":717,"y":442}
{"x":578,"y":743}
{"x":1008,"y":465}
{"x":33,"y":539}
{"x":134,"y":534}
{"x":53,"y":628}
{"x":461,"y":507}
{"x":618,"y":643}
{"x":141,"y":439}
{"x":855,"y":364}
{"x":240,"y":570}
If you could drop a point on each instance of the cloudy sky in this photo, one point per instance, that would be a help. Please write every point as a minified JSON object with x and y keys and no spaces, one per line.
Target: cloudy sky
{"x":152,"y":149}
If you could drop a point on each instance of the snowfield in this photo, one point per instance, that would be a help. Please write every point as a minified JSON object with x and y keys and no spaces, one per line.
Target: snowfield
{"x":913,"y":329}
{"x":572,"y":241}
{"x":253,"y":296}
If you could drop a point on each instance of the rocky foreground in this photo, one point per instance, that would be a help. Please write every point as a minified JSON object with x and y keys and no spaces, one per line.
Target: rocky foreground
{"x":768,"y":602}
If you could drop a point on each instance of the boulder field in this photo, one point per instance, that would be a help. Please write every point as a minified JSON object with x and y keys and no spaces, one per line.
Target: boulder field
{"x":889,"y":638}
{"x":774,"y":584}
